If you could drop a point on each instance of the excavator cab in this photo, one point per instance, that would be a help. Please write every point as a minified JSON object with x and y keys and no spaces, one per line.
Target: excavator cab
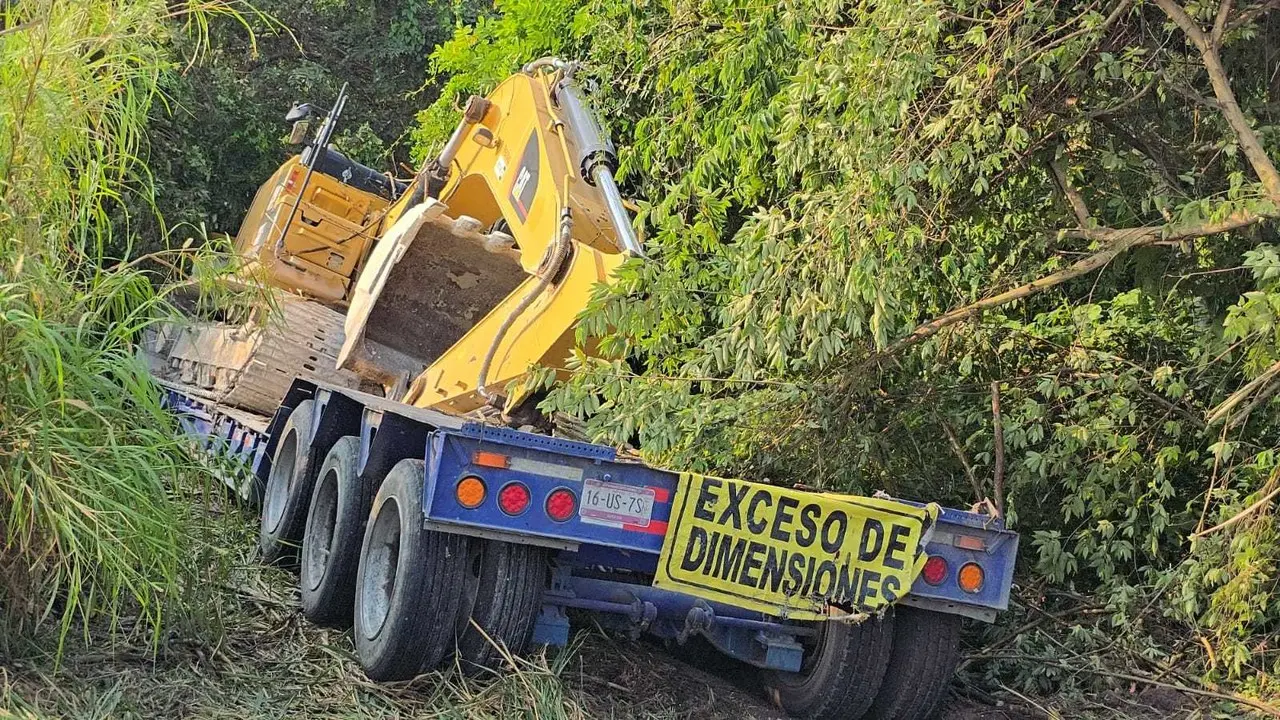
{"x":312,"y":224}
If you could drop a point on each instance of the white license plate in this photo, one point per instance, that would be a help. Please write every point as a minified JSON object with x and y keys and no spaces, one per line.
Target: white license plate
{"x":605,"y":503}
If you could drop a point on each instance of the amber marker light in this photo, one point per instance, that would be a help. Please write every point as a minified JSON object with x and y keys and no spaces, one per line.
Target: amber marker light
{"x":971,"y":577}
{"x":490,"y":459}
{"x":470,"y":492}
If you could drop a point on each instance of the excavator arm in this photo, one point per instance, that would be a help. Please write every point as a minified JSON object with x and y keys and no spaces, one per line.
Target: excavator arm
{"x":471,"y":285}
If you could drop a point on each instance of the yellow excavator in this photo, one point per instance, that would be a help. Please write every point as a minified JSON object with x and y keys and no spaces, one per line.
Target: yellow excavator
{"x":442,"y":292}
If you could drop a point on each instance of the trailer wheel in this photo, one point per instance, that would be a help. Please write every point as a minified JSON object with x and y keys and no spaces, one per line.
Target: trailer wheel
{"x":336,"y":518}
{"x":410,"y":584}
{"x":505,"y":588}
{"x":926,"y":650}
{"x":842,"y":671}
{"x":284,"y":503}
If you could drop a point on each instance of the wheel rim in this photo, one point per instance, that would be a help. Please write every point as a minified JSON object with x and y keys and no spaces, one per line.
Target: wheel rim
{"x":321,"y":524}
{"x":279,"y":481}
{"x":813,"y":648}
{"x":381,"y":565}
{"x":814,"y":645}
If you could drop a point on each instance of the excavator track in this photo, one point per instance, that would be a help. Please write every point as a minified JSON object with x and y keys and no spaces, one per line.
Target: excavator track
{"x":252,"y":366}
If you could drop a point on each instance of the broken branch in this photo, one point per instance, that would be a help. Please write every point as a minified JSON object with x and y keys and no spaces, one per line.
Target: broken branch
{"x":1120,"y":241}
{"x":1261,"y":502}
{"x":1230,"y":109}
{"x":1261,"y":387}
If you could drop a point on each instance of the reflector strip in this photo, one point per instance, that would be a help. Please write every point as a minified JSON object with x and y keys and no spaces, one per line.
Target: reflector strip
{"x":490,"y":459}
{"x":655,"y":527}
{"x":546,"y":469}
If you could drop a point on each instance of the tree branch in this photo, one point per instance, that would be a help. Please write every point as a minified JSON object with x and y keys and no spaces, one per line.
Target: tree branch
{"x":1220,"y":23}
{"x":1252,"y":14}
{"x":1191,"y":94}
{"x":997,"y":430}
{"x":1258,"y":505}
{"x":1183,"y":21}
{"x":1073,"y":196}
{"x":1119,"y":241}
{"x":1163,"y":176}
{"x":1230,"y":109}
{"x":1101,"y":30}
{"x":958,"y":449}
{"x":1259,"y":388}
{"x":1115,"y":109}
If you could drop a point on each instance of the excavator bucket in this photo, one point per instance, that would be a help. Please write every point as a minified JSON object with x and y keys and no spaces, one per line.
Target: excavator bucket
{"x":428,"y":280}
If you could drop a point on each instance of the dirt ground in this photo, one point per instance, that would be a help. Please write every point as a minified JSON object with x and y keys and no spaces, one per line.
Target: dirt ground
{"x":269,"y":662}
{"x":642,"y":679}
{"x":283,"y":668}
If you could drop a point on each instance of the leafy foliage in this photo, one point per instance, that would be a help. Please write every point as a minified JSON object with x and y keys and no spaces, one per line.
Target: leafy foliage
{"x":220,"y":132}
{"x":861,"y":215}
{"x":88,"y":459}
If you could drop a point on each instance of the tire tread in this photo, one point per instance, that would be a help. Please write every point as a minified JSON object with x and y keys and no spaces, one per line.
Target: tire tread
{"x":331,"y":603}
{"x":926,"y":650}
{"x":281,"y":548}
{"x":420,"y":629}
{"x":847,"y":678}
{"x":514,"y":576}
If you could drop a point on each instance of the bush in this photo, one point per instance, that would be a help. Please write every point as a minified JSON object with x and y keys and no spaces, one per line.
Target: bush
{"x":861,"y":215}
{"x":88,"y":460}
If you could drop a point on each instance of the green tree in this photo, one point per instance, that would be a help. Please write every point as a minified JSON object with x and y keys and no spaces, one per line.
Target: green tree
{"x":220,"y":133}
{"x":862,"y":215}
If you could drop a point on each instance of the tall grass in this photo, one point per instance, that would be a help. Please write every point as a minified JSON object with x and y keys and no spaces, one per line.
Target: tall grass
{"x":89,"y":526}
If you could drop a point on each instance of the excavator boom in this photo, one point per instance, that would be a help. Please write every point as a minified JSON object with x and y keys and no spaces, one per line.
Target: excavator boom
{"x":476,"y":283}
{"x":442,"y":293}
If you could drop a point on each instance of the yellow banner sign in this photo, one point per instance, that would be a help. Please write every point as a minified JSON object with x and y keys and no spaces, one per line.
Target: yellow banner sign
{"x":789,"y":552}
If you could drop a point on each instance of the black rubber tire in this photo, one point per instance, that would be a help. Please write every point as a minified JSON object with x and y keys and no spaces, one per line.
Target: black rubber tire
{"x":336,"y":518}
{"x":288,"y":490}
{"x":926,"y":651}
{"x":505,"y":589}
{"x":841,"y":675}
{"x":410,"y":585}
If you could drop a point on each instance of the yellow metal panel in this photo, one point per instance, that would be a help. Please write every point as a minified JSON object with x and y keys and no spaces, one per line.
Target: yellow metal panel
{"x":790,"y":553}
{"x":543,"y":334}
{"x":327,"y":240}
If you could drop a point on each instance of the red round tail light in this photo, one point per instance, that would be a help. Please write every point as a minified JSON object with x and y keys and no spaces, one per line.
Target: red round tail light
{"x":514,"y":498}
{"x":561,"y":504}
{"x":935,"y":570}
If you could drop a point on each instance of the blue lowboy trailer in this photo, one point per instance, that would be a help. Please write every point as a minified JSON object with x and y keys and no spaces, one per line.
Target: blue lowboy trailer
{"x":436,"y":538}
